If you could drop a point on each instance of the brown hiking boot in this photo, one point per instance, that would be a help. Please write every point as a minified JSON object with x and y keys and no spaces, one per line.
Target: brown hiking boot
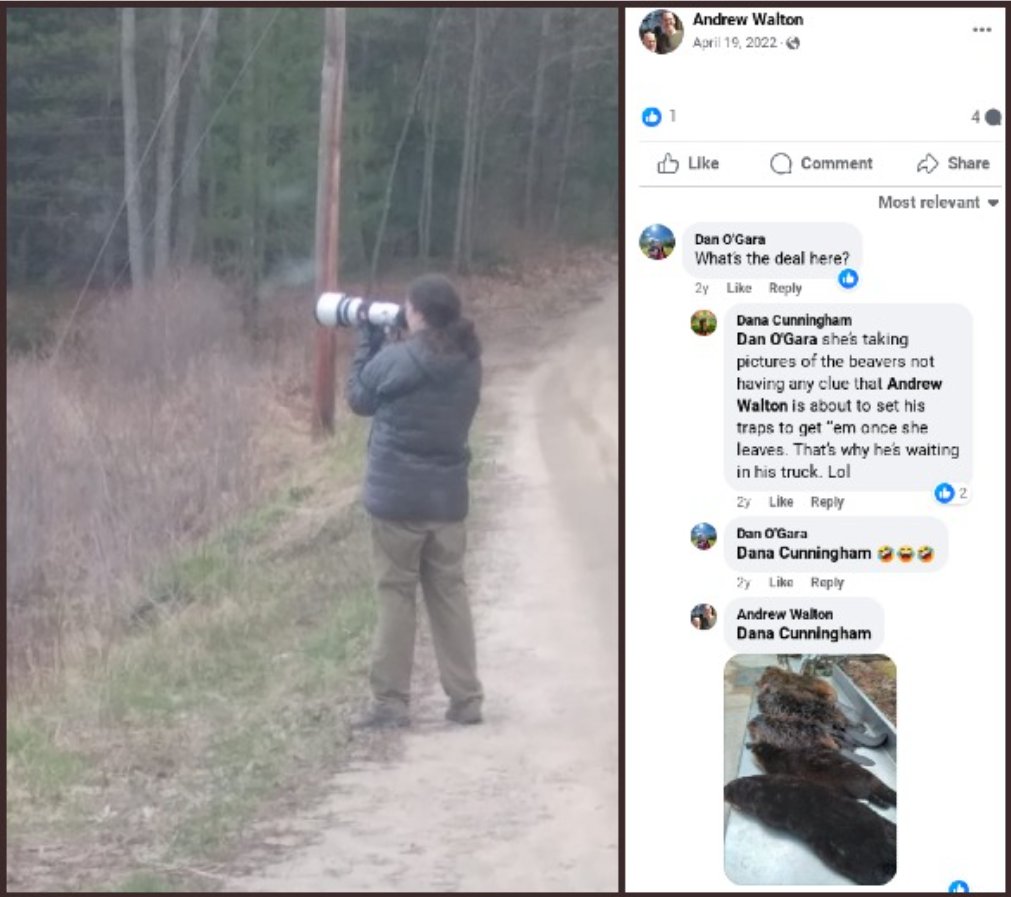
{"x":382,"y":716}
{"x":467,"y":713}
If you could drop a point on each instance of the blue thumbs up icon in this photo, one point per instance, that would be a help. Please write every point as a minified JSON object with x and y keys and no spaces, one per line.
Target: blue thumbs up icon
{"x":848,"y":278}
{"x":944,"y":493}
{"x":651,"y":116}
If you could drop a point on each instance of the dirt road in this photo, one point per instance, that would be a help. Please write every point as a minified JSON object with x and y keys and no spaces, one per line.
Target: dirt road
{"x":529,"y":800}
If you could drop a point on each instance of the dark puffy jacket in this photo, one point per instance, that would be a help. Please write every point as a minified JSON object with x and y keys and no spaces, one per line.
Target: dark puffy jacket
{"x":422,"y":403}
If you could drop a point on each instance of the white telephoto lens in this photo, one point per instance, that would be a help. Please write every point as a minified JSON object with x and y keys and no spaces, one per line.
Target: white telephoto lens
{"x":326,"y":308}
{"x":383,"y":314}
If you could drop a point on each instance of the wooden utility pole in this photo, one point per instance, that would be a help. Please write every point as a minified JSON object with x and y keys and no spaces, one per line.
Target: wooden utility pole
{"x":327,"y":208}
{"x":135,"y":235}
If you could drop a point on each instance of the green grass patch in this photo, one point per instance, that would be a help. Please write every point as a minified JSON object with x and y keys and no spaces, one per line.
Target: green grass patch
{"x":255,"y":526}
{"x":339,"y":638}
{"x":209,"y":569}
{"x":146,"y":883}
{"x":36,"y":765}
{"x":248,"y":764}
{"x":215,"y":566}
{"x":231,"y":693}
{"x":347,"y":454}
{"x":298,"y":494}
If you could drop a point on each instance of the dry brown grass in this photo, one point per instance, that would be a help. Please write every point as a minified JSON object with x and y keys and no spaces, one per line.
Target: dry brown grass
{"x":138,"y":439}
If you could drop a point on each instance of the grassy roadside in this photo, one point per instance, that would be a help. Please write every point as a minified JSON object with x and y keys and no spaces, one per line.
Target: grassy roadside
{"x":231,"y":691}
{"x":227,"y":702}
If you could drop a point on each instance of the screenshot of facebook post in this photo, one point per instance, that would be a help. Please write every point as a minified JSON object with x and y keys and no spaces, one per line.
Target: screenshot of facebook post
{"x":814,"y":448}
{"x":313,"y":448}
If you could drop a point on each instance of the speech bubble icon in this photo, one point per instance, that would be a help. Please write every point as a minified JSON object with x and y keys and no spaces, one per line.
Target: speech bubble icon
{"x":993,"y":116}
{"x":781,"y":163}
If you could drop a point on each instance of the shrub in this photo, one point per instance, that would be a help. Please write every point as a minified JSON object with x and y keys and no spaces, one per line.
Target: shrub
{"x":137,"y":441}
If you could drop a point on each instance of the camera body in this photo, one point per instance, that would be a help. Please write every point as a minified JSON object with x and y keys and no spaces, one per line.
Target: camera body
{"x":342,"y":310}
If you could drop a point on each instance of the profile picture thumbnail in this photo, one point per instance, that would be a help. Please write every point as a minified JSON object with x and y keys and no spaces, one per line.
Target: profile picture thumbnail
{"x":661,"y":32}
{"x":703,"y":616}
{"x":703,"y":322}
{"x":657,"y":242}
{"x":703,"y":536}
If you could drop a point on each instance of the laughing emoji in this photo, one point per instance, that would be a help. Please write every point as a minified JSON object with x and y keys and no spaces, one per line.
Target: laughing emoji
{"x":926,"y":554}
{"x":885,"y":554}
{"x":906,"y":553}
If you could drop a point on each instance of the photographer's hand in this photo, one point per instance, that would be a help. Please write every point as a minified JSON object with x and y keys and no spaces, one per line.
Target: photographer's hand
{"x":362,"y":397}
{"x":370,"y":340}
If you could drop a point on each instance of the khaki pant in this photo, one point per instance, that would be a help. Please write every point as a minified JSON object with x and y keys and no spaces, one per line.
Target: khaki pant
{"x":405,"y":553}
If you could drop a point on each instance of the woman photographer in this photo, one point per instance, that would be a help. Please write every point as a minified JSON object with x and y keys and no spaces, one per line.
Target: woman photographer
{"x":422,"y":393}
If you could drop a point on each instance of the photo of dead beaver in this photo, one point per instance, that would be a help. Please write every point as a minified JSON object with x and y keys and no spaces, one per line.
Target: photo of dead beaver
{"x":777,"y":676}
{"x":790,"y":734}
{"x":793,"y":702}
{"x":847,"y":835}
{"x":826,"y":767}
{"x":806,"y":740}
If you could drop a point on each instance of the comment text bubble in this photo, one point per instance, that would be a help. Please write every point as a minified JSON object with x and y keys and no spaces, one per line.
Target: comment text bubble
{"x":847,"y":397}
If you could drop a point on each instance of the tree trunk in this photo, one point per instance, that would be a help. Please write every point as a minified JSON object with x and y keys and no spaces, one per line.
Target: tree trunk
{"x":135,"y":232}
{"x":570,"y":106}
{"x":477,"y":154}
{"x":533,"y":150}
{"x":463,"y":197}
{"x":110,"y":214}
{"x":167,"y":142}
{"x":189,"y":192}
{"x":262,"y":184}
{"x":431,"y":123}
{"x":482,"y":125}
{"x":327,"y":208}
{"x":247,"y":164}
{"x":209,"y":245}
{"x":408,"y":118}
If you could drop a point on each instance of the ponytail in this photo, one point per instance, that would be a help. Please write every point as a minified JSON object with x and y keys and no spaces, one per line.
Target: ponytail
{"x":435,"y":299}
{"x":464,"y":336}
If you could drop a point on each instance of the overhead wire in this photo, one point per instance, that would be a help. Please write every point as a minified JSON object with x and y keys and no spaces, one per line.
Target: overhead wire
{"x":169,"y":96}
{"x":207,"y":130}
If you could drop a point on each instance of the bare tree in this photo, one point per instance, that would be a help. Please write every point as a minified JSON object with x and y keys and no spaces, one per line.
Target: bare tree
{"x":247,"y":160}
{"x":535,"y":119}
{"x":461,"y":237}
{"x":135,"y":232}
{"x":167,"y":142}
{"x":430,"y":124}
{"x":408,"y":118}
{"x":566,"y":150}
{"x":196,"y":117}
